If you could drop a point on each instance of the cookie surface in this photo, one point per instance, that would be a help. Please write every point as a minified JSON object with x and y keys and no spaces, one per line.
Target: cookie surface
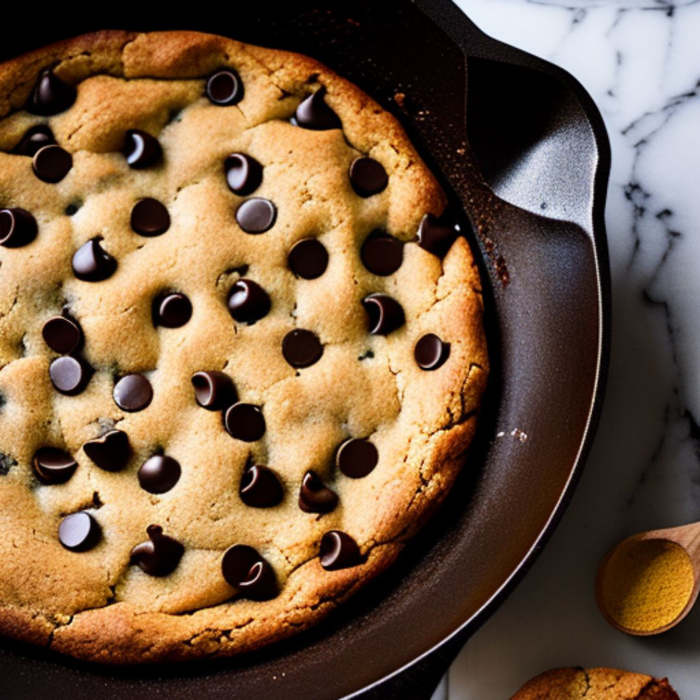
{"x":241,"y":355}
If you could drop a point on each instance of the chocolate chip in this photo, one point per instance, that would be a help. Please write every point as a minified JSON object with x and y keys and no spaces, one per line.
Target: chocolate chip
{"x":315,"y":496}
{"x":141,"y":149}
{"x":52,"y":163}
{"x":53,"y":466}
{"x":224,"y":87}
{"x":256,"y":215}
{"x":69,"y":375}
{"x":34,"y":138}
{"x":356,"y":457}
{"x":308,"y":258}
{"x":339,"y":551}
{"x":17,"y":227}
{"x":62,"y":334}
{"x":159,"y":474}
{"x":91,"y":263}
{"x":367,"y":176}
{"x":314,"y":113}
{"x":213,"y":390}
{"x":244,"y":569}
{"x":79,"y":531}
{"x":301,"y":348}
{"x":149,"y":217}
{"x":247,"y":301}
{"x":159,"y":555}
{"x":243,"y":173}
{"x":244,"y":421}
{"x":260,"y":487}
{"x":381,"y":253}
{"x":171,"y":310}
{"x":435,"y":235}
{"x":431,"y":352}
{"x":110,"y":451}
{"x":50,"y":95}
{"x":384,"y":313}
{"x":133,"y":392}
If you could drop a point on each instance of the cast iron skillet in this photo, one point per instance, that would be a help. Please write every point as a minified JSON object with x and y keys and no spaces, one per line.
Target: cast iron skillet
{"x":540,"y":143}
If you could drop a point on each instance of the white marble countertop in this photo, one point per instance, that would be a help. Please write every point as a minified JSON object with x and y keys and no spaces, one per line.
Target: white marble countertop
{"x":640,"y":60}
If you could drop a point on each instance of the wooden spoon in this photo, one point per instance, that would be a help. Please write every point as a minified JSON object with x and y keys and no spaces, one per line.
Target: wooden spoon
{"x":685,"y":536}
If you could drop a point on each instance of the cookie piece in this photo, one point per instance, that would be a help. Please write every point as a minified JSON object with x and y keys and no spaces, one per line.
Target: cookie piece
{"x":243,"y":299}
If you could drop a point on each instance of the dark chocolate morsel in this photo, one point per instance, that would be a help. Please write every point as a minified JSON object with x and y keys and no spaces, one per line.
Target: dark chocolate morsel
{"x":244,"y":421}
{"x":435,"y":235}
{"x":315,"y":496}
{"x":314,"y":113}
{"x":69,"y":375}
{"x":159,"y":474}
{"x":91,"y":263}
{"x":256,"y":215}
{"x":308,"y":258}
{"x":431,"y":352}
{"x":141,"y":149}
{"x":367,"y":176}
{"x":356,"y":457}
{"x":213,"y":390}
{"x":260,"y":487}
{"x":133,"y":392}
{"x":248,"y":301}
{"x":301,"y":348}
{"x":110,"y":451}
{"x":243,"y":173}
{"x":224,"y":87}
{"x":53,"y":466}
{"x":384,"y":313}
{"x":17,"y":227}
{"x":79,"y":531}
{"x":381,"y":253}
{"x":52,"y":163}
{"x":244,"y":569}
{"x":62,"y":334}
{"x":34,"y":138}
{"x":149,"y":217}
{"x":339,"y":551}
{"x":171,"y":310}
{"x":50,"y":95}
{"x":159,"y":555}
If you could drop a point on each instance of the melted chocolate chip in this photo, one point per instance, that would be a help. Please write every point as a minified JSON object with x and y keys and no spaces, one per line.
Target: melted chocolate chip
{"x":247,"y":301}
{"x":315,"y":496}
{"x":260,"y":487}
{"x":213,"y":390}
{"x":91,"y":263}
{"x":244,"y":421}
{"x":141,"y":149}
{"x":431,"y":352}
{"x":17,"y":227}
{"x":384,"y":313}
{"x":243,"y":173}
{"x":62,"y":334}
{"x":159,"y":555}
{"x":339,"y":551}
{"x":356,"y":457}
{"x":435,"y":235}
{"x":52,"y":163}
{"x":69,"y":375}
{"x":244,"y":569}
{"x":367,"y":176}
{"x":51,"y":95}
{"x":159,"y":474}
{"x":133,"y":392}
{"x":381,"y":253}
{"x":171,"y":310}
{"x":301,"y":348}
{"x":256,"y":215}
{"x":53,"y":466}
{"x":110,"y":451}
{"x":308,"y":258}
{"x":79,"y":531}
{"x":34,"y":138}
{"x":149,"y":217}
{"x":224,"y":87}
{"x":314,"y":113}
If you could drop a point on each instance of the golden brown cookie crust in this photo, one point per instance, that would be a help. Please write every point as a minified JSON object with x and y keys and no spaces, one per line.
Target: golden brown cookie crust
{"x":93,"y":604}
